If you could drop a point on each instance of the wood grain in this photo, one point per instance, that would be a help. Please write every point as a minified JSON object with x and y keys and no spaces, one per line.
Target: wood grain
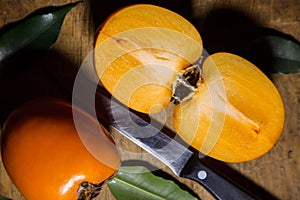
{"x":222,"y":25}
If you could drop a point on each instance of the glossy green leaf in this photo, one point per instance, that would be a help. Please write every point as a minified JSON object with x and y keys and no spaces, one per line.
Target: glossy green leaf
{"x":137,"y":182}
{"x":26,"y":39}
{"x":281,"y":54}
{"x":4,"y":198}
{"x":286,"y":54}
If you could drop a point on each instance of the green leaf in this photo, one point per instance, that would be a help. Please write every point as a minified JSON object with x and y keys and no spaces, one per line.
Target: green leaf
{"x":280,"y":53}
{"x":4,"y":198}
{"x":26,"y":39}
{"x":137,"y":182}
{"x":286,"y":54}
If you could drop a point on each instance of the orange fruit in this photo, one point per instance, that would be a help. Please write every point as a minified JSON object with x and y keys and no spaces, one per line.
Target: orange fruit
{"x":139,"y":51}
{"x":228,"y":109}
{"x":53,"y":150}
{"x":236,"y":113}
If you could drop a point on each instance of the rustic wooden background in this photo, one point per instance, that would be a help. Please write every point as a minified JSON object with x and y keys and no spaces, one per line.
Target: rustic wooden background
{"x":222,"y":24}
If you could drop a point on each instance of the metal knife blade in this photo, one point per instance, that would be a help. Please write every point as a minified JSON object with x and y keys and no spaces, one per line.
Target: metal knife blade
{"x":145,"y":135}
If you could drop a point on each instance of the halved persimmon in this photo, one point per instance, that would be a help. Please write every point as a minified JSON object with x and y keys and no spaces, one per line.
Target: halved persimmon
{"x":139,"y":51}
{"x":236,"y":114}
{"x":228,"y":109}
{"x":48,"y":156}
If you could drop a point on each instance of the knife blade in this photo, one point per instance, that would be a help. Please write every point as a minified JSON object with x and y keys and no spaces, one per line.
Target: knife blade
{"x":88,"y":94}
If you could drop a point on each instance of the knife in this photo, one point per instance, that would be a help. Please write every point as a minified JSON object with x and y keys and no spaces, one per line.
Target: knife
{"x":183,"y":162}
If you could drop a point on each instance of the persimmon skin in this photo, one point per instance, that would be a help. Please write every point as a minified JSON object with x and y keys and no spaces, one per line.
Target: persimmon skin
{"x":44,"y":154}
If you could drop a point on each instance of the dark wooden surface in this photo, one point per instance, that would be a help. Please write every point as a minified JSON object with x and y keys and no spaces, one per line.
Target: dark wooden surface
{"x":223,"y":25}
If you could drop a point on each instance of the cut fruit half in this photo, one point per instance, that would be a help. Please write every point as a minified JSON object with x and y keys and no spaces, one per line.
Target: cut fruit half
{"x":139,"y":51}
{"x":236,"y":114}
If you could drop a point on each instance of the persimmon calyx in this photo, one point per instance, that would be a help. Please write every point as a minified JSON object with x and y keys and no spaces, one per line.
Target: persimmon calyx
{"x":88,"y":191}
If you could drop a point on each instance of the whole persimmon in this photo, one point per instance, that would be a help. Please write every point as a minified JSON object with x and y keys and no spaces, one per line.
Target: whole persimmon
{"x":226,"y":108}
{"x":48,"y":154}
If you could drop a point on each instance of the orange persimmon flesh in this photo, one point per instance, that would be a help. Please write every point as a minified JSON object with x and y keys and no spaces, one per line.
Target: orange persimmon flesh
{"x":47,"y":159}
{"x":139,"y":51}
{"x":234,"y":113}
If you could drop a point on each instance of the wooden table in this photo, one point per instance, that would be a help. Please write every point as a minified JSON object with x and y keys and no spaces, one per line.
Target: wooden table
{"x":276,"y":172}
